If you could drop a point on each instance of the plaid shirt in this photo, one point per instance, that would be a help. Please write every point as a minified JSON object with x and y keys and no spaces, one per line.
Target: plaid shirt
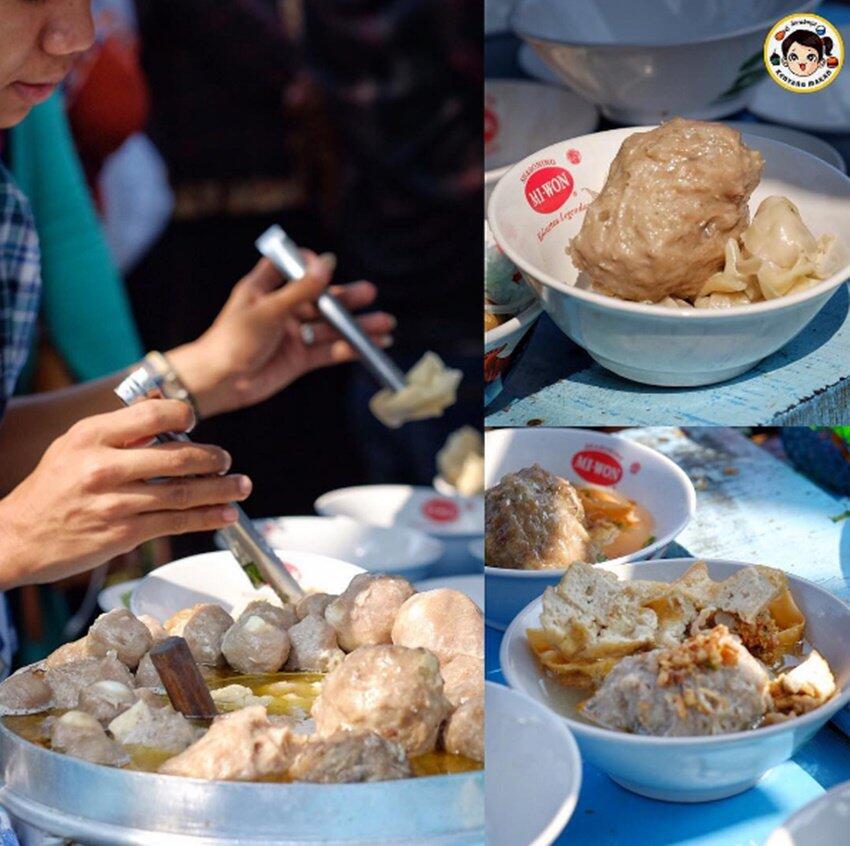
{"x":20,"y":283}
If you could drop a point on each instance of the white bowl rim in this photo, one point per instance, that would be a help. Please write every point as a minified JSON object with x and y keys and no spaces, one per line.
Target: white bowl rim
{"x":435,"y":533}
{"x":519,"y":321}
{"x":431,"y":544}
{"x":831,"y":707}
{"x":606,"y":303}
{"x":568,"y":806}
{"x":651,"y":549}
{"x":761,"y":26}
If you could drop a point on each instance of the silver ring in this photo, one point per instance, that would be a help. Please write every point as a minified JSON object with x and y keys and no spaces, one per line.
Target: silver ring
{"x":308,"y":334}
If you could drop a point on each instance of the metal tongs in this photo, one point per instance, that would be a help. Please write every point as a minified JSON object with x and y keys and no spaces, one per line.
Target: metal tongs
{"x":283,"y":253}
{"x":243,"y":540}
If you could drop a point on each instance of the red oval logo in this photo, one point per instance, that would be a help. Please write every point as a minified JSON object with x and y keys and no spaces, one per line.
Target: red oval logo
{"x":491,"y":125}
{"x":441,"y":510}
{"x":548,"y":189}
{"x":597,"y":467}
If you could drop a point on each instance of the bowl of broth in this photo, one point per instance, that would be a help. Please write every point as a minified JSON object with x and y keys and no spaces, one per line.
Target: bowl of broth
{"x":635,"y":499}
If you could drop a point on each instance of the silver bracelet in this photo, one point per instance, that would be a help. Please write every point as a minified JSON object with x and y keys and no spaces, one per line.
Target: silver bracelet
{"x":156,"y":377}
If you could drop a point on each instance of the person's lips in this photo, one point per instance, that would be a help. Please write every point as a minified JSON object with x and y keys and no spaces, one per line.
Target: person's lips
{"x":34,"y":92}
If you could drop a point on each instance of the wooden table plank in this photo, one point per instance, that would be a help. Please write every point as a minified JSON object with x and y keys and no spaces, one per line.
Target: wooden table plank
{"x":806,"y":382}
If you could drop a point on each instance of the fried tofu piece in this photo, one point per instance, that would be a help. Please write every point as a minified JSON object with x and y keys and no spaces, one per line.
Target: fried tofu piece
{"x":804,"y":688}
{"x":591,"y":614}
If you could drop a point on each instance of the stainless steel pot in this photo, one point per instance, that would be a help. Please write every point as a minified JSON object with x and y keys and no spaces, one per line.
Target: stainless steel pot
{"x":93,"y":804}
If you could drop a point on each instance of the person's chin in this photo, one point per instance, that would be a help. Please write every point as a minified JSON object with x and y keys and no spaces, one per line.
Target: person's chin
{"x":12,"y":113}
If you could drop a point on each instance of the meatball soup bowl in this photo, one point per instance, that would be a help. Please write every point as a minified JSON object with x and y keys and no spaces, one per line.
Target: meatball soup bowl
{"x":690,"y":768}
{"x":587,"y":459}
{"x":539,"y":205}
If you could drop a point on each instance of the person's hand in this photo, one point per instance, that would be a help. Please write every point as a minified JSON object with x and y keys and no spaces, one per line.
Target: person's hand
{"x":266,"y":336}
{"x":88,"y":499}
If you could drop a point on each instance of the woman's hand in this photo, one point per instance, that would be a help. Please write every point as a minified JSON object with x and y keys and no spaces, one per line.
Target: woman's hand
{"x":256,"y":346}
{"x":88,"y":499}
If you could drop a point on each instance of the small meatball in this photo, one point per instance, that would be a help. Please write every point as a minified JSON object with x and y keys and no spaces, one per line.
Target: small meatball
{"x":120,"y":632}
{"x":152,"y":698}
{"x":535,"y":520}
{"x":105,"y":700}
{"x":76,"y":650}
{"x":463,"y":678}
{"x":282,"y":616}
{"x":82,"y":736}
{"x":255,"y":646}
{"x":146,"y":674}
{"x":390,"y":690}
{"x":364,"y":614}
{"x":156,"y":629}
{"x":25,"y":692}
{"x":346,"y":757}
{"x":445,"y":622}
{"x":313,"y":646}
{"x":158,"y":728}
{"x":707,"y":685}
{"x":242,"y":746}
{"x":314,"y":603}
{"x":68,"y":681}
{"x":203,"y":627}
{"x":463,"y":733}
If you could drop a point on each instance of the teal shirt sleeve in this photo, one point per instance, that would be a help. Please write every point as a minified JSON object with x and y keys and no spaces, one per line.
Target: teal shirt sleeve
{"x":85,"y":308}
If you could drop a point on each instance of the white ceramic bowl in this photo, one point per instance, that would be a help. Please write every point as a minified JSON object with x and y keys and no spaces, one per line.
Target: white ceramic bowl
{"x":454,"y":520}
{"x":651,"y":343}
{"x":522,"y":116}
{"x":379,"y":549}
{"x":638,"y":472}
{"x":114,"y":596}
{"x":693,"y":769}
{"x":525,"y":737}
{"x":646,"y":60}
{"x":822,"y":822}
{"x":503,"y":348}
{"x":217,"y":577}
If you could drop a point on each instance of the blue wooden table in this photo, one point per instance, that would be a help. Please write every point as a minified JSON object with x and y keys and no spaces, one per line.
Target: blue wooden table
{"x":751,"y":506}
{"x":807,"y":382}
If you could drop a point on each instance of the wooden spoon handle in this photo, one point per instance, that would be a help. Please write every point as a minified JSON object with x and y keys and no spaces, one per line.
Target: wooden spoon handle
{"x":182,"y":679}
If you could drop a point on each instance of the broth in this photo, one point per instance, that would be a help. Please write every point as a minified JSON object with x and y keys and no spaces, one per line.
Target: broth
{"x":293,"y":696}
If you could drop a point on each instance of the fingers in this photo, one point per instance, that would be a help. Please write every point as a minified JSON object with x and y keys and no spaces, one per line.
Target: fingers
{"x":377,"y":323}
{"x":156,"y":524}
{"x":353,"y":296}
{"x":185,"y":494}
{"x":177,"y":458}
{"x":307,"y":289}
{"x":139,"y":422}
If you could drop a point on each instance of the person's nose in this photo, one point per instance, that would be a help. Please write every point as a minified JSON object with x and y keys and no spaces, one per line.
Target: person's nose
{"x":69,"y":29}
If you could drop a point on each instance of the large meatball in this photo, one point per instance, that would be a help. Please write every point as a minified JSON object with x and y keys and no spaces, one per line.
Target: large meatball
{"x":121,"y":632}
{"x":313,"y":646}
{"x":463,"y":678}
{"x":444,"y":621}
{"x":364,"y":614}
{"x":203,"y":627}
{"x":707,"y":685}
{"x":254,"y":645}
{"x":347,"y":757}
{"x":672,"y":199}
{"x":534,"y":520}
{"x":282,"y":616}
{"x":242,"y":746}
{"x":390,"y":690}
{"x":463,"y":733}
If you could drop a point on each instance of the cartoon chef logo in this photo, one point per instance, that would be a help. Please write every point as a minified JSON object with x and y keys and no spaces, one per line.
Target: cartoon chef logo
{"x":803,"y":53}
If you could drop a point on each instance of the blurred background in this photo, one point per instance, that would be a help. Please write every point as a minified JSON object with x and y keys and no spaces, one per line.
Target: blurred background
{"x":186,"y":131}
